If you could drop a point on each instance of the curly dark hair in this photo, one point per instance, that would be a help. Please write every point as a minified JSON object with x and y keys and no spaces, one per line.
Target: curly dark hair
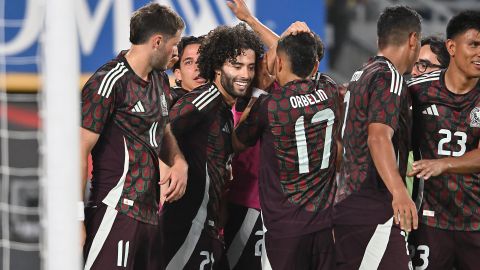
{"x":223,"y":44}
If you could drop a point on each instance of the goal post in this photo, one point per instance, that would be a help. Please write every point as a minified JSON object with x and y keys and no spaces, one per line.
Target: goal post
{"x":60,"y":183}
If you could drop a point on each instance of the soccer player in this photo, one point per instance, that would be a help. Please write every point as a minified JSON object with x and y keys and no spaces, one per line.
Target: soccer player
{"x":446,"y":109}
{"x":186,"y":72}
{"x":296,"y":125}
{"x":124,"y":126}
{"x":433,"y":56}
{"x":372,"y":204}
{"x":202,"y":123}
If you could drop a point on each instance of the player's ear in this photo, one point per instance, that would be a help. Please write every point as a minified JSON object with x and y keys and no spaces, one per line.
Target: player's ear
{"x":157,"y":40}
{"x":450,"y":43}
{"x":177,"y":74}
{"x":315,"y":68}
{"x":413,"y":40}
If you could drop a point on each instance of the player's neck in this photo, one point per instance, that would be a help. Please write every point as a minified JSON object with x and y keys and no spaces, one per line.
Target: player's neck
{"x":395,"y":55}
{"x":456,"y":81}
{"x":286,"y":78}
{"x":139,"y":60}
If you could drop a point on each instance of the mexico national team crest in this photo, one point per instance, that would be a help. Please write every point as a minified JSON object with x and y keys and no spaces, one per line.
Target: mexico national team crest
{"x":475,"y":117}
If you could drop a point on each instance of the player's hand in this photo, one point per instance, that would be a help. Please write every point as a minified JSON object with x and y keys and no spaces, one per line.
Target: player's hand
{"x":177,"y":175}
{"x":295,"y":28}
{"x":240,"y":9}
{"x":404,"y":210}
{"x":427,"y":168}
{"x":174,"y":58}
{"x":263,"y":77}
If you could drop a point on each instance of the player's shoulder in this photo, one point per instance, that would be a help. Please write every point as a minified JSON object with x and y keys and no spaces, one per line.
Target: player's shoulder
{"x":323,"y":80}
{"x":203,"y":97}
{"x":424,"y":80}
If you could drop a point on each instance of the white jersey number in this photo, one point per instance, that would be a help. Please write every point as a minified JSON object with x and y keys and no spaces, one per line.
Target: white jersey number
{"x":301,"y":140}
{"x":462,"y":140}
{"x":208,"y":259}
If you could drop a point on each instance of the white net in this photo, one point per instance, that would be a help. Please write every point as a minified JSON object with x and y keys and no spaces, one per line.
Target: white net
{"x":19,"y":152}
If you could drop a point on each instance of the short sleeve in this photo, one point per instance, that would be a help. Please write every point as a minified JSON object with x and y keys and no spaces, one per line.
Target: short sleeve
{"x":98,"y":101}
{"x":387,"y":89}
{"x":184,"y":115}
{"x":251,"y":129}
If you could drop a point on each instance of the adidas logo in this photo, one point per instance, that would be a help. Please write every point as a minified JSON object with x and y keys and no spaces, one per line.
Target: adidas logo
{"x":431,"y":110}
{"x":138,"y":107}
{"x":226,"y":128}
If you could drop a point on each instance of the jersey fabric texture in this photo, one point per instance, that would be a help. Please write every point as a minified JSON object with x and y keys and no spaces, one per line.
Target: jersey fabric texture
{"x":447,"y":124}
{"x":130,"y":115}
{"x":202,"y":123}
{"x":376,"y":93}
{"x":297,"y":125}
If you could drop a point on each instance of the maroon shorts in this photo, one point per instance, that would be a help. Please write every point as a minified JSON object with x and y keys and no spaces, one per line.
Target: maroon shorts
{"x":116,"y":241}
{"x":192,"y":249}
{"x":310,"y":251}
{"x":437,"y":249}
{"x":371,"y":247}
{"x":243,"y":238}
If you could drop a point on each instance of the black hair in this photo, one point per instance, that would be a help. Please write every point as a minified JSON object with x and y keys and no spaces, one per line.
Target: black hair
{"x":223,"y":44}
{"x":438,"y":47}
{"x":463,"y":22}
{"x":151,"y":19}
{"x":184,"y":42}
{"x":301,"y":50}
{"x":395,"y":24}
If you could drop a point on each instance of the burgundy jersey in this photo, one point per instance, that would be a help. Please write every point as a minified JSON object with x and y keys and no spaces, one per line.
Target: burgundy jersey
{"x":376,"y":93}
{"x":297,"y":125}
{"x":202,"y":123}
{"x":447,"y":125}
{"x":130,"y":115}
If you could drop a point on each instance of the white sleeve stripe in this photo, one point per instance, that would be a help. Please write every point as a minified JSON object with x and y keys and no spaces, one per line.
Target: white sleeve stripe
{"x":423,"y":80}
{"x":114,"y":81}
{"x":117,"y":67}
{"x":396,"y":82}
{"x":203,"y":94}
{"x":208,"y":101}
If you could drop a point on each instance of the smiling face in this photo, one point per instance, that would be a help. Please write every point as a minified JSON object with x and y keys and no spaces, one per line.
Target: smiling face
{"x":236,"y":76}
{"x":464,"y":50}
{"x":188,"y":72}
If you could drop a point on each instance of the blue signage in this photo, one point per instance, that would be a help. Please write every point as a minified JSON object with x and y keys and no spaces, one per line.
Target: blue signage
{"x":103,"y":25}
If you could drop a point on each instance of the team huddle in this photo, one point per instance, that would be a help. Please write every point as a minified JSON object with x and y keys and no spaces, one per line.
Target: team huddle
{"x":256,"y":160}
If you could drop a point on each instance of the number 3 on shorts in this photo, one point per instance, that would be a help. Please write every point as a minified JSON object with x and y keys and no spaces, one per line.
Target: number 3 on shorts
{"x":424,"y":251}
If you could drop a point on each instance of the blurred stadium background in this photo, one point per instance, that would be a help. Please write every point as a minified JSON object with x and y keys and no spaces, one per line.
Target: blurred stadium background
{"x":348,"y":28}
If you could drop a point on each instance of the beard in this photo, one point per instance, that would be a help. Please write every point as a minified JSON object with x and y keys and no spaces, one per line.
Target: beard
{"x":227,"y":82}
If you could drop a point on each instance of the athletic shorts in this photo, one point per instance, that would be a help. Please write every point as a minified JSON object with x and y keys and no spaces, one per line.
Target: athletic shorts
{"x":368,"y":247}
{"x":117,"y":241}
{"x":313,"y":251}
{"x":192,"y":249}
{"x":436,"y":249}
{"x":243,"y":238}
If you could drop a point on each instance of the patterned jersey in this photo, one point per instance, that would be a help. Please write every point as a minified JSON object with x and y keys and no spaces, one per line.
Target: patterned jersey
{"x":176,"y":93}
{"x":130,"y":115}
{"x":447,"y":124}
{"x":298,"y":126}
{"x":202,"y":123}
{"x":376,"y":94}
